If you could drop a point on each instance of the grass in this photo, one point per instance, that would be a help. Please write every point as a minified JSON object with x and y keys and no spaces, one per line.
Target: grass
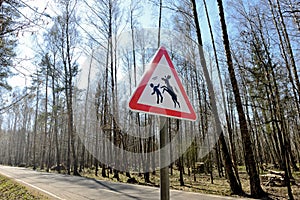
{"x":12,"y":190}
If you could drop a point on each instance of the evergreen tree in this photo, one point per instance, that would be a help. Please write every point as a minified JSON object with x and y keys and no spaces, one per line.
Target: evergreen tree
{"x":8,"y":42}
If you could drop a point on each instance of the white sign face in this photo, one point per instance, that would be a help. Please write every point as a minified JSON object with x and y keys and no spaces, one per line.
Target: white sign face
{"x":161,"y":92}
{"x":163,"y":79}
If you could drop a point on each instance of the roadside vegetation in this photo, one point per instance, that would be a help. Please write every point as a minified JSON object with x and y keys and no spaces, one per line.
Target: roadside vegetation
{"x":202,"y":182}
{"x":12,"y":190}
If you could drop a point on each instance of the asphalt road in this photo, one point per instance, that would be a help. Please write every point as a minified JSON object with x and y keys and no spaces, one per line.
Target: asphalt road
{"x":59,"y":186}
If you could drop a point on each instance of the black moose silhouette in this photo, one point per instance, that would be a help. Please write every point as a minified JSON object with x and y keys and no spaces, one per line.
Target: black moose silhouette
{"x":172,"y":94}
{"x":167,"y":82}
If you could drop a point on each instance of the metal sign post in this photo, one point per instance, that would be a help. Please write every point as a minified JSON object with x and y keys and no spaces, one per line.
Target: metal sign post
{"x":164,"y":170}
{"x":161,"y":92}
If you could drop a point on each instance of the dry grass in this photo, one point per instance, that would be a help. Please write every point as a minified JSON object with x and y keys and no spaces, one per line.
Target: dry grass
{"x":203,"y":183}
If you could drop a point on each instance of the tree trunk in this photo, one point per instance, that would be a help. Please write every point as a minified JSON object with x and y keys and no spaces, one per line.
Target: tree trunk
{"x":282,"y":42}
{"x":35,"y":125}
{"x":69,"y":94}
{"x":235,"y":187}
{"x":43,"y":153}
{"x":289,"y":47}
{"x":255,"y":187}
{"x":159,"y":23}
{"x":55,"y":116}
{"x":229,"y":128}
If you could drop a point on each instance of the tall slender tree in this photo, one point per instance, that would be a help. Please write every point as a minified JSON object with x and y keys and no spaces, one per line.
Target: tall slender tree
{"x":234,"y":185}
{"x":68,"y":42}
{"x":256,"y":189}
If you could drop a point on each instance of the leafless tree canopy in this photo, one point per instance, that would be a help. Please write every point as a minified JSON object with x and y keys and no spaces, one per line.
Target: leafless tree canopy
{"x":238,"y":61}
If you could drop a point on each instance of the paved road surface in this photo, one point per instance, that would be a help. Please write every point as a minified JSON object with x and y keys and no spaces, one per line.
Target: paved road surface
{"x":58,"y":186}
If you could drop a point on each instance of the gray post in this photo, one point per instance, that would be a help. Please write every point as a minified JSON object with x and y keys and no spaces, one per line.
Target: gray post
{"x":163,"y":158}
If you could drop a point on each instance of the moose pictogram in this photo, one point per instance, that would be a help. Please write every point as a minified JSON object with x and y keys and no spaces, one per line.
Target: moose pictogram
{"x":167,"y":82}
{"x":172,"y":94}
{"x":166,"y":88}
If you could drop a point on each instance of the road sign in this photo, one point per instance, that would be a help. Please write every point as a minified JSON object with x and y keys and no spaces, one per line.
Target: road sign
{"x":161,"y":92}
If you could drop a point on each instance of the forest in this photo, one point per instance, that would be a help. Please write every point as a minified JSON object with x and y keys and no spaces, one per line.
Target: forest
{"x":69,"y":67}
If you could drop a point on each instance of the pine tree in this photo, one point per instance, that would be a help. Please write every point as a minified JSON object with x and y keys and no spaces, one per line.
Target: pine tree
{"x":8,"y":42}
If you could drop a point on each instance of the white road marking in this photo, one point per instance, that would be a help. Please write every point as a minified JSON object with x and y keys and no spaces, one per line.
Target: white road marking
{"x":9,"y":176}
{"x":40,"y":189}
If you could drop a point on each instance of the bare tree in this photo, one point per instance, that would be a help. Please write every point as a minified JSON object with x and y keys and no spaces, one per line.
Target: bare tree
{"x":67,"y":45}
{"x":256,"y":189}
{"x":235,"y":187}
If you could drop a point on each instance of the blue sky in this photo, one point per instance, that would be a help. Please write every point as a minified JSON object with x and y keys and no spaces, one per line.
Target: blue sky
{"x":26,"y":51}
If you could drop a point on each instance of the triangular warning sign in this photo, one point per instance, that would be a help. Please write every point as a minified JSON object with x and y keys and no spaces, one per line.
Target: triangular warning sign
{"x":161,"y":92}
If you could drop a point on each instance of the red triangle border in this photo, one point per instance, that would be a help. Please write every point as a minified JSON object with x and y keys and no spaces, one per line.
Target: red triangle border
{"x":134,"y":105}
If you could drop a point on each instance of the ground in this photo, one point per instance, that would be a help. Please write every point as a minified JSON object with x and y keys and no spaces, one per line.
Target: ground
{"x":12,"y":190}
{"x":203,"y":183}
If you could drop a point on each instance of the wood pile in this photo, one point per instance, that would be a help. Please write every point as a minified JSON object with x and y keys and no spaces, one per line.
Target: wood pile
{"x":275,"y":178}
